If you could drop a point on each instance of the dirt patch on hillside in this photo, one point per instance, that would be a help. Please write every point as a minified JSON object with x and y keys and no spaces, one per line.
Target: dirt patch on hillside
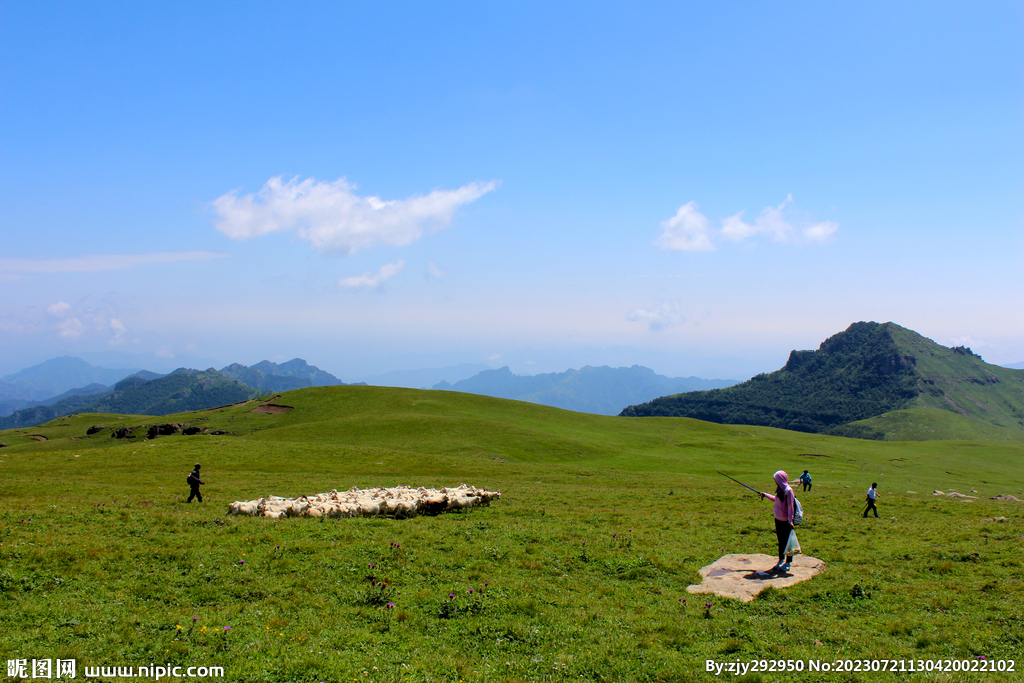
{"x":38,"y":437}
{"x":272,"y":408}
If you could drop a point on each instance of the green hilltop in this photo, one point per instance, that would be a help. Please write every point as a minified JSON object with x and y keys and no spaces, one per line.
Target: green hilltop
{"x":876,"y":381}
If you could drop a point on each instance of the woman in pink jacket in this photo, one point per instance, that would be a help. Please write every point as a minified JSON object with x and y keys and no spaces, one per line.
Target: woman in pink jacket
{"x":785,"y":507}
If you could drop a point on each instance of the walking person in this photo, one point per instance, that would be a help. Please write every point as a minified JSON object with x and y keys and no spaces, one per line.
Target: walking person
{"x":806,"y":479}
{"x":872,"y":493}
{"x":193,"y":483}
{"x":785,"y":509}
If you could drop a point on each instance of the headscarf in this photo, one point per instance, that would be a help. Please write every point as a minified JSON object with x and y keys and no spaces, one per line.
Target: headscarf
{"x":782,"y":480}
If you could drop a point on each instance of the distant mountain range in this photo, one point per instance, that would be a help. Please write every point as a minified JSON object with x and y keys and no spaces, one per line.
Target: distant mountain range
{"x":50,"y":381}
{"x":147,"y":393}
{"x":426,"y":377}
{"x":602,"y":390}
{"x":857,"y":381}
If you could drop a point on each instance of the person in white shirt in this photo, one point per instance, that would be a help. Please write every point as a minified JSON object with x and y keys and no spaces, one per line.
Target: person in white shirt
{"x":871,"y":500}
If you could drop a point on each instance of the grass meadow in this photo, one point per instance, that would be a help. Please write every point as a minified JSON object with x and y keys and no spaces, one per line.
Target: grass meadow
{"x":579,"y":572}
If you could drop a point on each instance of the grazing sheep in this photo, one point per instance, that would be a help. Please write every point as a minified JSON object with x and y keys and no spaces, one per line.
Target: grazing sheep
{"x":400,"y":502}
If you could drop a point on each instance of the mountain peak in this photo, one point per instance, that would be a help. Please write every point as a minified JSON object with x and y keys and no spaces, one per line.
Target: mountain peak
{"x":866,"y":370}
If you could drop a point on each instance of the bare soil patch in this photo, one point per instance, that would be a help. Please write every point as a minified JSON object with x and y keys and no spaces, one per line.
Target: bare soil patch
{"x":744,"y":576}
{"x":272,"y":408}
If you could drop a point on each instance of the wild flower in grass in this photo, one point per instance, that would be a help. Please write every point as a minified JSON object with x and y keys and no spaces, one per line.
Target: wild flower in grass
{"x":707,"y":609}
{"x":226,"y":629}
{"x":390,"y":605}
{"x":451,"y":596}
{"x":195,"y":619}
{"x":470,"y":591}
{"x":202,"y":630}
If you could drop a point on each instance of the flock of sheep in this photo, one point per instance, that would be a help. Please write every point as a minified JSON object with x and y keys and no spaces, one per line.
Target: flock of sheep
{"x":400,"y":501}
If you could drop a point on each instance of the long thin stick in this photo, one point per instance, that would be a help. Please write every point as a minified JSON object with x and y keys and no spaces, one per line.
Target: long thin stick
{"x":740,"y":483}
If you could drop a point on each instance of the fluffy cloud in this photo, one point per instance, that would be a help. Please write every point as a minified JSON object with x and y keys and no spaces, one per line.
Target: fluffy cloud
{"x":58,"y":309}
{"x":686,"y":231}
{"x":370,"y":280}
{"x":665,"y":316}
{"x":333,"y":219}
{"x":97,"y":321}
{"x":119,"y":329}
{"x":969,"y":342}
{"x":777,"y":223}
{"x":689,"y":230}
{"x":71,"y":328}
{"x":100,"y":262}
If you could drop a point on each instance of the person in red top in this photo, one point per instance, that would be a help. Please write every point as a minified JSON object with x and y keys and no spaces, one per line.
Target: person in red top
{"x":785,"y":508}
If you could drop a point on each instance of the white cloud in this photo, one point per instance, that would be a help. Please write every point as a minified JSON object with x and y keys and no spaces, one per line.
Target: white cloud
{"x":370,"y":280}
{"x":665,"y":316}
{"x":433,"y":272}
{"x":819,"y":232}
{"x":333,"y":219}
{"x":689,"y":230}
{"x":119,"y":329}
{"x":71,"y":328}
{"x":969,"y":342}
{"x":58,"y":308}
{"x":100,"y":262}
{"x":686,"y":231}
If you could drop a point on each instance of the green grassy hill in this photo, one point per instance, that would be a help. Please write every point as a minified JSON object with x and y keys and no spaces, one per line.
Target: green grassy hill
{"x":578,"y":572}
{"x":849,"y":385}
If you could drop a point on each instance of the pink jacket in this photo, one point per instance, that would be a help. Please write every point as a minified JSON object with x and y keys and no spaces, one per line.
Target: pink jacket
{"x":785,"y":507}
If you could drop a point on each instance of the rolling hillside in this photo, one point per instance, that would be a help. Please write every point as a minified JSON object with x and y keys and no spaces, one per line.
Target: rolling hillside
{"x":857,"y":376}
{"x":579,"y":572}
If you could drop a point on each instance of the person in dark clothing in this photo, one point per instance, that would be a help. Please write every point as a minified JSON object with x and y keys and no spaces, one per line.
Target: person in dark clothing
{"x":805,"y":478}
{"x":871,"y":500}
{"x":193,"y":483}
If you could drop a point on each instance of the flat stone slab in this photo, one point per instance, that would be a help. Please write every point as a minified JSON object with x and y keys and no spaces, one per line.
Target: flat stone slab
{"x":744,"y":576}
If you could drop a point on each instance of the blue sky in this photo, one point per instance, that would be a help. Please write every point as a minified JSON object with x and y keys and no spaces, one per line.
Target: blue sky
{"x":695,"y":187}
